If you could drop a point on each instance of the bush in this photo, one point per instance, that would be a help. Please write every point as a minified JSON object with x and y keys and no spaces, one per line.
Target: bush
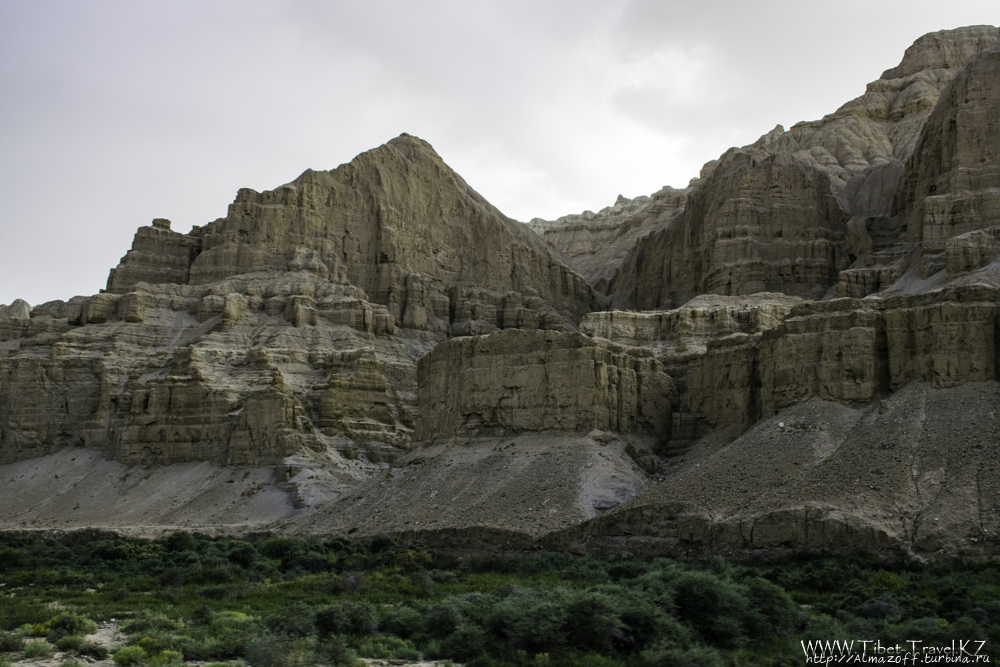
{"x":335,"y":651}
{"x":676,"y":657}
{"x":403,"y":622}
{"x":714,"y":607}
{"x":72,"y":624}
{"x":233,"y":619}
{"x":9,"y":642}
{"x":388,"y":648}
{"x":268,"y":651}
{"x":167,"y":658}
{"x":38,"y":650}
{"x":130,"y":655}
{"x":331,"y":620}
{"x":179,"y":541}
{"x":93,"y":650}
{"x":203,"y":616}
{"x":71,"y":643}
{"x":465,"y":643}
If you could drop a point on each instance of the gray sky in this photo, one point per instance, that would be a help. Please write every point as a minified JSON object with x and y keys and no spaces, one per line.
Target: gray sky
{"x":115,"y":112}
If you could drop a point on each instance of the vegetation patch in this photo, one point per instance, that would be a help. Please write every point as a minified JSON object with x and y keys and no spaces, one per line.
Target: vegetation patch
{"x":276,"y":602}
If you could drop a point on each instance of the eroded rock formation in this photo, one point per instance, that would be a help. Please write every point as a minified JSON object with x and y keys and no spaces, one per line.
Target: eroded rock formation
{"x":817,"y":367}
{"x":286,"y":334}
{"x":819,"y":210}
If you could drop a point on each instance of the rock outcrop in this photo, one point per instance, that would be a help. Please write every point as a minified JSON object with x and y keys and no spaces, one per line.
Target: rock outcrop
{"x":815,"y":210}
{"x":284,"y":335}
{"x":595,"y":244}
{"x":528,"y":381}
{"x":952,"y":182}
{"x":918,"y":472}
{"x":396,"y":222}
{"x":378,"y":351}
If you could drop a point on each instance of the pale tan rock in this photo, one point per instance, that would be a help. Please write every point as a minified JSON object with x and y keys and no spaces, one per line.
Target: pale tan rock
{"x":520,"y":381}
{"x":396,"y":221}
{"x":774,"y":216}
{"x":952,"y":182}
{"x":691,"y":326}
{"x":158,"y":255}
{"x":596,"y":243}
{"x":971,"y":251}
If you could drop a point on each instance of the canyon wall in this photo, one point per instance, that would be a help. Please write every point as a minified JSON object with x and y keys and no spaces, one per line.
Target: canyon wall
{"x":285,"y":334}
{"x":522,"y":381}
{"x":396,"y":222}
{"x":824,"y":209}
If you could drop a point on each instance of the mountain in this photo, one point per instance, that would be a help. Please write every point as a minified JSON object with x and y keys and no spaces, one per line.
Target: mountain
{"x":283,"y":336}
{"x":801,"y":352}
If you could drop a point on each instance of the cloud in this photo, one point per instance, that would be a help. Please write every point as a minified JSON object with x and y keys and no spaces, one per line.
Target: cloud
{"x":116,"y":112}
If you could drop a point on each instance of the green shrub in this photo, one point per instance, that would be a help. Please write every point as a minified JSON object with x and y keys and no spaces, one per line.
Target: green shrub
{"x":388,"y":648}
{"x":772,"y":610}
{"x":10,"y":642}
{"x":268,"y":651}
{"x":336,"y":652}
{"x":466,"y":642}
{"x":203,"y":616}
{"x":71,"y":643}
{"x":151,"y":622}
{"x":677,"y":657}
{"x":714,"y":607}
{"x":94,"y":650}
{"x":401,"y":621}
{"x":233,"y":619}
{"x":167,"y":658}
{"x":13,"y":559}
{"x":293,"y":621}
{"x":129,"y":655}
{"x":242,"y":554}
{"x":179,"y":541}
{"x":72,"y":624}
{"x":38,"y":650}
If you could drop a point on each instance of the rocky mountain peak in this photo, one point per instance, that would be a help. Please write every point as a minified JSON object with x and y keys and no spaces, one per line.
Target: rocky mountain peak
{"x":945,"y":49}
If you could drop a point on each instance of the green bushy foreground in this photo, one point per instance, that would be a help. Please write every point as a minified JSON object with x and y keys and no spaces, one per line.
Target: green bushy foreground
{"x":275,"y":602}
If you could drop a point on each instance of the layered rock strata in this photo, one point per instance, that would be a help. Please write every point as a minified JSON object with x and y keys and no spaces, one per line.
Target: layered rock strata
{"x":595,"y":244}
{"x":952,"y":182}
{"x":847,"y":424}
{"x":396,"y":222}
{"x":524,"y":381}
{"x":254,"y":341}
{"x":852,"y":351}
{"x":918,"y":472}
{"x":823,"y":208}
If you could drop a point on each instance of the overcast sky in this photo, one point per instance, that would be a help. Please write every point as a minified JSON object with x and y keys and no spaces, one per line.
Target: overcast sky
{"x":113,"y":112}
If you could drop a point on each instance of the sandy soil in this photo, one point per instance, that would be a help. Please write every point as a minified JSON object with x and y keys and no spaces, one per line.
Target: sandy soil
{"x":530,"y":485}
{"x":108,"y":635}
{"x":79,"y":487}
{"x":918,"y":471}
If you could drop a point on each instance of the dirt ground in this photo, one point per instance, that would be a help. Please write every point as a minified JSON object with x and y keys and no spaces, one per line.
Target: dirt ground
{"x":107,"y":635}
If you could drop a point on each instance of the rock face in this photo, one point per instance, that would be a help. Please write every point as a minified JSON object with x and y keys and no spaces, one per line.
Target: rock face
{"x":816,"y":208}
{"x":523,"y":381}
{"x":596,"y":243}
{"x":916,"y":472}
{"x":284,"y":335}
{"x":952,"y":182}
{"x":817,"y":367}
{"x":396,"y":222}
